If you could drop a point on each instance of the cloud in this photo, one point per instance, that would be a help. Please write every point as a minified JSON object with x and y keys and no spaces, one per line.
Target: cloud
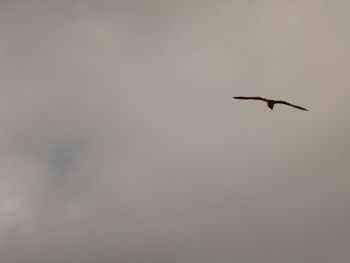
{"x":120,"y":141}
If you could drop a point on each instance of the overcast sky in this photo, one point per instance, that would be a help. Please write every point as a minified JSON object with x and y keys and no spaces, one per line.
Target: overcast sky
{"x":120,"y":141}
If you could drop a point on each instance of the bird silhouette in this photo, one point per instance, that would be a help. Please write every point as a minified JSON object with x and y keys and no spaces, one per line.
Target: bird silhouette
{"x":270,"y":103}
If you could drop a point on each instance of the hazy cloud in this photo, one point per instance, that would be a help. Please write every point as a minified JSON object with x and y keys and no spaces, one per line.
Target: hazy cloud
{"x":120,"y":141}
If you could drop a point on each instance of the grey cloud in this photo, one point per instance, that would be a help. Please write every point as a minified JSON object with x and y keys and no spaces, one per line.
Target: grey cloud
{"x":120,"y":141}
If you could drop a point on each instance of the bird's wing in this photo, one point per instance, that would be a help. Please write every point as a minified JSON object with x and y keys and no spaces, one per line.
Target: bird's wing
{"x":289,"y":104}
{"x":250,"y":98}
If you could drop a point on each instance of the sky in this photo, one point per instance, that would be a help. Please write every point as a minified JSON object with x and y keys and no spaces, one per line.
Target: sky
{"x":120,"y":141}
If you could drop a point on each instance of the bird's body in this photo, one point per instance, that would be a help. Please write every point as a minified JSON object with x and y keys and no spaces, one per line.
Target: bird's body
{"x":270,"y":103}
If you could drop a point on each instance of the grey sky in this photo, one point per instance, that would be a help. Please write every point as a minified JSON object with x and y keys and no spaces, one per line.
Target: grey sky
{"x":120,"y":141}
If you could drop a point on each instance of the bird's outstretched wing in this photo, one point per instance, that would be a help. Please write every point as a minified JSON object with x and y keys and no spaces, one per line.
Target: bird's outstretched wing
{"x":289,"y":104}
{"x":250,"y":98}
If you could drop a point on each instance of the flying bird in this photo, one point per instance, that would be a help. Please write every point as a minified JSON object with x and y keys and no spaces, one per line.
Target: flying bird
{"x":270,"y":103}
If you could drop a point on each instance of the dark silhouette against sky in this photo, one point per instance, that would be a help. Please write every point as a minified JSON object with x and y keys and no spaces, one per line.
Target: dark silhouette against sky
{"x":270,"y":103}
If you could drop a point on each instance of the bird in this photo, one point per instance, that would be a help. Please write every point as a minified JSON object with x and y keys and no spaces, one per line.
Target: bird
{"x":270,"y":103}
